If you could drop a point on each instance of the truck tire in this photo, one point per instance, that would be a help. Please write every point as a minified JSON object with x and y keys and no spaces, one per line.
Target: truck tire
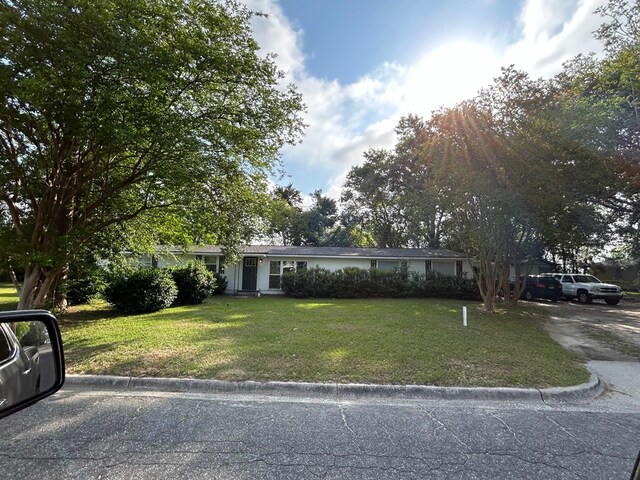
{"x":528,"y":295}
{"x":584,"y":297}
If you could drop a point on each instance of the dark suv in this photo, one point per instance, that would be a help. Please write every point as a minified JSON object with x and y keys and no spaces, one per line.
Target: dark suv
{"x":541,"y":287}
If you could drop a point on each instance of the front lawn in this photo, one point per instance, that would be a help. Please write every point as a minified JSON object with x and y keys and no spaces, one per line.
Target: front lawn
{"x":399,"y":341}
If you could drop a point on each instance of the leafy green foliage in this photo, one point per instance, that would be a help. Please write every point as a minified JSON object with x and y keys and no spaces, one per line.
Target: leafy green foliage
{"x":194,"y":282}
{"x":289,"y":224}
{"x":140,"y":291}
{"x":159,"y":120}
{"x":353,"y":282}
{"x":221,"y":284}
{"x":85,"y":279}
{"x":393,"y":195}
{"x":81,"y":290}
{"x":436,"y":285}
{"x":527,"y":168}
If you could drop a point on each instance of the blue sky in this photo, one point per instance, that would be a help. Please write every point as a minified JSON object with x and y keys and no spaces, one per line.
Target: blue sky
{"x":344,"y":39}
{"x":362,"y":64}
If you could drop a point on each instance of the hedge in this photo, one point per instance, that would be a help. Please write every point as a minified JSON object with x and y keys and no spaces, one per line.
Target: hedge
{"x":352,"y":282}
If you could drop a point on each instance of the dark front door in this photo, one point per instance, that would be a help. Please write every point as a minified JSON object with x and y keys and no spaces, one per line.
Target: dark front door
{"x":250,"y":273}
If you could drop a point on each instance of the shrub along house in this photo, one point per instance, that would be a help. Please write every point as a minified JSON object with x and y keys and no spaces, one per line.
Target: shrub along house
{"x":261,"y":267}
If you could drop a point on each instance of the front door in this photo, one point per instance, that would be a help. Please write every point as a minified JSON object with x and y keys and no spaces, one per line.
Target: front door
{"x":250,"y":273}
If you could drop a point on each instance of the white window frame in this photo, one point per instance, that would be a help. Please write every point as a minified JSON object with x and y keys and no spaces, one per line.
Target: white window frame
{"x":295,"y":263}
{"x":459,"y":269}
{"x":206,"y":260}
{"x":395,"y":265}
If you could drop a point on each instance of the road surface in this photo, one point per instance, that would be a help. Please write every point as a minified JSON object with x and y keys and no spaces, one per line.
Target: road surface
{"x":86,"y":434}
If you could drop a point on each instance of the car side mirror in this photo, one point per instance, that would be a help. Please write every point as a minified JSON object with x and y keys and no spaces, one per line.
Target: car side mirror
{"x":31,"y":359}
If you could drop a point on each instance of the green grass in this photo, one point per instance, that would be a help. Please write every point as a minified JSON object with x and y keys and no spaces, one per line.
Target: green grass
{"x":8,"y":297}
{"x":395,"y":341}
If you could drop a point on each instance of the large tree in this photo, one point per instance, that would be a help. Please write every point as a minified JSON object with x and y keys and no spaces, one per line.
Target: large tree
{"x":284,"y":221}
{"x":291,"y":224}
{"x":393,"y":194}
{"x":320,"y":220}
{"x":605,"y":93}
{"x":370,"y":197}
{"x":131,"y":114}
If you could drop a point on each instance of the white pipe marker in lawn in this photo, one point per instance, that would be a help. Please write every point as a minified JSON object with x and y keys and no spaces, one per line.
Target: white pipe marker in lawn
{"x":464,"y":315}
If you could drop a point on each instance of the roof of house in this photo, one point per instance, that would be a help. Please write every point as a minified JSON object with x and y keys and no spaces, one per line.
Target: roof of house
{"x":280,"y":250}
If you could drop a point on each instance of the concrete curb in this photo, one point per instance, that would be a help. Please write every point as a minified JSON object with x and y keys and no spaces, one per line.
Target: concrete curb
{"x":338,"y":391}
{"x":584,"y":391}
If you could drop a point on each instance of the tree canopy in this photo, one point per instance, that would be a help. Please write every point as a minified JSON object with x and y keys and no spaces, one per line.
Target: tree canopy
{"x":527,"y":167}
{"x":141,"y":117}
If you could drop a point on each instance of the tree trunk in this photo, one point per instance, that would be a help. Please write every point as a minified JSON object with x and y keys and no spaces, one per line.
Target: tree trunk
{"x":508,"y":294}
{"x":38,"y":287}
{"x":59,"y":291}
{"x":45,"y":292}
{"x":489,"y":294}
{"x":487,"y":282}
{"x":14,"y":280}
{"x":29,"y":287}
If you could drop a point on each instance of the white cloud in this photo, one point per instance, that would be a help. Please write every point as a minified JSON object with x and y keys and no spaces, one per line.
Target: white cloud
{"x":347,"y":119}
{"x":448,"y":74}
{"x":554,"y":32}
{"x":275,"y":34}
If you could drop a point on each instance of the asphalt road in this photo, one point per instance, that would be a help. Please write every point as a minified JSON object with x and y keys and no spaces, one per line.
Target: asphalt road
{"x":83,"y":434}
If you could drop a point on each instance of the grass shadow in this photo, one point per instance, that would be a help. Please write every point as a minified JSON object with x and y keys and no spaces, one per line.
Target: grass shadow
{"x":85,"y":315}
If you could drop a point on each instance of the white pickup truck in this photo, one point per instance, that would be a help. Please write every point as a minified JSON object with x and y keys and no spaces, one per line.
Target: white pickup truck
{"x":586,"y":288}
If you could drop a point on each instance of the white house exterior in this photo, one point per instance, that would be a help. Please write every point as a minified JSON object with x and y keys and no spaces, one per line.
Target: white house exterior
{"x":260,"y":267}
{"x":536,"y":267}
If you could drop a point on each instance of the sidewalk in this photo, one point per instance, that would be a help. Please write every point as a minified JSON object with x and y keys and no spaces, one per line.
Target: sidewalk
{"x":621,"y":381}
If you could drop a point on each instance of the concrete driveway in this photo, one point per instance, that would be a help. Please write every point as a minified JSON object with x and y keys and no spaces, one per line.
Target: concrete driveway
{"x":597,"y":331}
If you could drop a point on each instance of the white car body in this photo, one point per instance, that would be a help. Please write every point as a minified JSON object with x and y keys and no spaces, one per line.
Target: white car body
{"x":587,"y":288}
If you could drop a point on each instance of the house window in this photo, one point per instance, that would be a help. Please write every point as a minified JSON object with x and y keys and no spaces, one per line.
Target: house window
{"x":210,"y":262}
{"x":274,"y":274}
{"x":459,"y":268}
{"x":427,"y":266}
{"x":374,"y":264}
{"x":277,"y":268}
{"x":149,"y":261}
{"x":388,"y":265}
